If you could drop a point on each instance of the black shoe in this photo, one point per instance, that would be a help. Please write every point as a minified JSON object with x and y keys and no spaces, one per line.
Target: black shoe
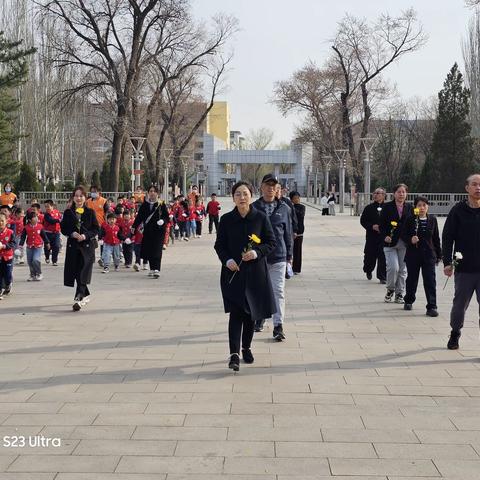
{"x":7,"y":289}
{"x":399,"y":298}
{"x":389,"y":296}
{"x":369,"y":275}
{"x":453,"y":340}
{"x":432,"y":312}
{"x":408,"y":306}
{"x":247,"y":355}
{"x":234,"y":362}
{"x":278,"y":334}
{"x":258,"y":328}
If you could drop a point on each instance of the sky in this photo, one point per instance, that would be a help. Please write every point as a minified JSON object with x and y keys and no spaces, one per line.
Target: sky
{"x":277,"y":37}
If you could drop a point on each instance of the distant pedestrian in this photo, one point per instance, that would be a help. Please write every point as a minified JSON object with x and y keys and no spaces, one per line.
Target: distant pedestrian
{"x":324,"y":204}
{"x":331,"y":204}
{"x":213,"y":211}
{"x":298,"y":237}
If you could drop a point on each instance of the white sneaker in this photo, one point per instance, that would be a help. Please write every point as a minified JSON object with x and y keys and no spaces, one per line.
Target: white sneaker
{"x":156,"y":274}
{"x":85,"y":300}
{"x":150,"y":273}
{"x":39,"y":278}
{"x":136,"y":267}
{"x":144,"y":267}
{"x":31,"y":278}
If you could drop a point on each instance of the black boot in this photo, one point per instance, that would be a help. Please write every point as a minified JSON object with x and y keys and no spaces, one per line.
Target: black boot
{"x":234,"y":362}
{"x":247,"y":355}
{"x":453,"y":340}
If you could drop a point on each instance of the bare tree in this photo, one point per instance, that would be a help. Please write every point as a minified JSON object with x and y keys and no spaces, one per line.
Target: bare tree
{"x":363,"y":52}
{"x":259,"y":139}
{"x":109,"y":39}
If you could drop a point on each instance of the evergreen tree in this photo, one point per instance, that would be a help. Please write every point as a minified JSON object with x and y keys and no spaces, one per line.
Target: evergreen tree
{"x":105,"y":175}
{"x":51,"y":187}
{"x":409,"y":175}
{"x":95,"y":179}
{"x":27,"y":180}
{"x":13,"y":72}
{"x":124,"y":183}
{"x":80,"y":179}
{"x":451,"y":155}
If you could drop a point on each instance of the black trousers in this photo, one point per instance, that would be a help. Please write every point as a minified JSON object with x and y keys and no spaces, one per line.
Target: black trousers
{"x":199,"y":227}
{"x":325,"y":211}
{"x":55,"y":244}
{"x":212,"y":219}
{"x":373,"y":255}
{"x":240,"y":327}
{"x":155,"y":262}
{"x":127,"y":253}
{"x":466,"y":284}
{"x":415,"y":264}
{"x":297,"y":254}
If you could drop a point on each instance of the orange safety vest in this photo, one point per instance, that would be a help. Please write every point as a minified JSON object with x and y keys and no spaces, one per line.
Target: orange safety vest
{"x":97,"y":204}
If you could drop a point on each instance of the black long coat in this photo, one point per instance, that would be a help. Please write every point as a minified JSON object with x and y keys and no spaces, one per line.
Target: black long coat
{"x":153,"y":234}
{"x":79,"y":256}
{"x":389,"y":214}
{"x":250,"y":289}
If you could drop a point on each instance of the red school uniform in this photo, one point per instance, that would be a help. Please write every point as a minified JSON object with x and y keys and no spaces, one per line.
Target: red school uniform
{"x":33,"y":235}
{"x":6,"y":238}
{"x":109,"y":234}
{"x":138,"y":235}
{"x":52,"y":227}
{"x":19,"y":225}
{"x":125,"y":228}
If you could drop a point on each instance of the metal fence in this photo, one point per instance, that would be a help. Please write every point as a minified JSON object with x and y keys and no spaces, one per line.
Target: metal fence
{"x":60,"y":198}
{"x":439,"y":203}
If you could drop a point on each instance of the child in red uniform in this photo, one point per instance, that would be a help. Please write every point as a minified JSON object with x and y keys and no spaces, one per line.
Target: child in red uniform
{"x":35,"y":237}
{"x":7,"y":244}
{"x":192,"y":219}
{"x":200,"y":210}
{"x":213,"y":210}
{"x":127,"y":245}
{"x":137,"y":248}
{"x":18,"y":219}
{"x":51,"y":225}
{"x":111,"y":236}
{"x":37,"y":209}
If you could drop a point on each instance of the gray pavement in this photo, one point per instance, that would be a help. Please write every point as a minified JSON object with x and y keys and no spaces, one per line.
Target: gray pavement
{"x":136,"y":387}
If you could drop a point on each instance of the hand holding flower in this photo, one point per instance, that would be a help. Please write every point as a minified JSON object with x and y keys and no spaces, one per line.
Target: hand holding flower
{"x":249,"y":256}
{"x":232,"y":266}
{"x":415,"y":239}
{"x":388,"y":239}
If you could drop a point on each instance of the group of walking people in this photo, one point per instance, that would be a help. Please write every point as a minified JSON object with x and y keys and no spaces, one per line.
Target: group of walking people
{"x":403,"y":239}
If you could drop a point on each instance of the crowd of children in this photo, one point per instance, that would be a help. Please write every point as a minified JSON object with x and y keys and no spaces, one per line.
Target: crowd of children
{"x":31,"y":232}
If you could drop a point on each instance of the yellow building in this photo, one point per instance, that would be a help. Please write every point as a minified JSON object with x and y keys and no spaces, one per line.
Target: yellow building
{"x":218,"y":122}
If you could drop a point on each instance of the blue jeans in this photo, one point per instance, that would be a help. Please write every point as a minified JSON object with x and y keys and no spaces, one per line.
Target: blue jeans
{"x":34,"y":256}
{"x":108,"y":252}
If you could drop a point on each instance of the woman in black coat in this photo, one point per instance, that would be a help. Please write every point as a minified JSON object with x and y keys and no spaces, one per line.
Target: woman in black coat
{"x":298,"y":235}
{"x":245,"y":282}
{"x":79,"y":224}
{"x":153,"y":214}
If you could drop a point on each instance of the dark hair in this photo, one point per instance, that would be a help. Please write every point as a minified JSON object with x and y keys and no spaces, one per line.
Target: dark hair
{"x":239,"y":184}
{"x":400,"y":185}
{"x":294,"y":193}
{"x":118,"y":210}
{"x":213,"y":194}
{"x":49,"y":202}
{"x":7,"y":183}
{"x":155,"y":188}
{"x":81,"y":188}
{"x":35,"y":205}
{"x":6,"y":207}
{"x":421,"y":199}
{"x":94,"y":187}
{"x":31,"y":215}
{"x":110,"y":215}
{"x":110,"y":199}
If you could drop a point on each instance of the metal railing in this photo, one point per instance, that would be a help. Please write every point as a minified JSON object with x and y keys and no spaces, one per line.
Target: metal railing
{"x":60,"y":198}
{"x":439,"y":203}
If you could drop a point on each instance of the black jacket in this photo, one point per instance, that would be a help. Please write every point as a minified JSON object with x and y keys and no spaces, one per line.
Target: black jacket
{"x":281,"y":221}
{"x":153,"y":234}
{"x":461,"y":233}
{"x":250,"y":289}
{"x":371,"y":216}
{"x":390,"y":214}
{"x":79,"y":256}
{"x":293,"y":212}
{"x":429,"y":244}
{"x":299,"y":209}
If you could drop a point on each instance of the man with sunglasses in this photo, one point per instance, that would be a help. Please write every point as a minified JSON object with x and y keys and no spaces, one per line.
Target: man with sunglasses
{"x":373,"y":251}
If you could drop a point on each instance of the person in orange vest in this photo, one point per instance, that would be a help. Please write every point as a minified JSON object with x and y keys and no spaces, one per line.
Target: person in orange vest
{"x":8,"y":197}
{"x":97,"y":203}
{"x":139,"y":196}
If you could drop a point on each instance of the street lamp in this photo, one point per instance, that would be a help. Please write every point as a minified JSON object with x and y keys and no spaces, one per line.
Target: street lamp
{"x":167,"y":155}
{"x":137,"y":159}
{"x":327,"y":159}
{"x":342,"y":163}
{"x":307,"y":173}
{"x":184,"y":159}
{"x":368,"y":144}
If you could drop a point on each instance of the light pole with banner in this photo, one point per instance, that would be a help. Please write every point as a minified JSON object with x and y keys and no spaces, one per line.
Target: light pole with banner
{"x":368,"y":144}
{"x":167,"y":155}
{"x":184,"y":159}
{"x":137,"y":159}
{"x":327,"y":160}
{"x":342,"y":164}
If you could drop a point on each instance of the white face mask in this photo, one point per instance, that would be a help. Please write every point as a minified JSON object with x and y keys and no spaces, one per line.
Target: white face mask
{"x":94,"y":194}
{"x":8,"y":190}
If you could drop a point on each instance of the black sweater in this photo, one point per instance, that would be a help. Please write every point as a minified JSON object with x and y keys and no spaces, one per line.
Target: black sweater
{"x":429,"y":244}
{"x":461,"y":233}
{"x":390,"y":214}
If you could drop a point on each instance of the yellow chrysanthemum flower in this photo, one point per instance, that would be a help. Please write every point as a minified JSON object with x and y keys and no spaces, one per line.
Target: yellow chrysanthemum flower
{"x":80,"y":211}
{"x":416,"y":211}
{"x":394,"y":224}
{"x":254,"y":238}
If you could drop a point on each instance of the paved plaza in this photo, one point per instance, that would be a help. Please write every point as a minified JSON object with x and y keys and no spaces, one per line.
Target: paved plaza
{"x":136,"y":386}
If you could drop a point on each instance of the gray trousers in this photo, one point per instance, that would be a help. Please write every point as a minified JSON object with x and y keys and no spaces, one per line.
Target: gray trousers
{"x":396,"y":267}
{"x":276,"y":272}
{"x":465,"y":285}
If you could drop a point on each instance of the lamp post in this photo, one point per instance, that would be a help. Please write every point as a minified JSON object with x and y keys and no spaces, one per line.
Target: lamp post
{"x":184,"y":160}
{"x":167,"y":154}
{"x":137,"y":159}
{"x":315,"y":186}
{"x":327,"y":160}
{"x":342,"y":164}
{"x":307,"y":173}
{"x":368,"y":144}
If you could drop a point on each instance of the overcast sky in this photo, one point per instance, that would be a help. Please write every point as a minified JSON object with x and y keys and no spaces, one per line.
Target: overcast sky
{"x":279,"y":36}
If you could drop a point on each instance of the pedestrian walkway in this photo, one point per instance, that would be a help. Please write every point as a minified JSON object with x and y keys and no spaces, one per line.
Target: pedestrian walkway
{"x":136,"y":386}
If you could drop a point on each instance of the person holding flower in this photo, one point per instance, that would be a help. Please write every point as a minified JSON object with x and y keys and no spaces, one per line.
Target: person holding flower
{"x":423,"y":253}
{"x":392,"y":225}
{"x":79,"y":224}
{"x":373,"y":251}
{"x":244,"y":239}
{"x":461,"y":255}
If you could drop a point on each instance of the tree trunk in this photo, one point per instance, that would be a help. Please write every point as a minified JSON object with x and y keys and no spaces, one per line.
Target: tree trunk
{"x":116,"y":158}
